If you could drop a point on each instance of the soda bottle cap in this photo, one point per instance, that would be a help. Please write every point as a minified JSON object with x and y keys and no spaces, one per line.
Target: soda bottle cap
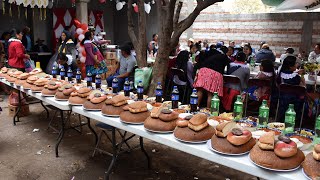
{"x":127,"y":79}
{"x":159,"y":83}
{"x":140,"y":81}
{"x":175,"y":87}
{"x":194,"y":90}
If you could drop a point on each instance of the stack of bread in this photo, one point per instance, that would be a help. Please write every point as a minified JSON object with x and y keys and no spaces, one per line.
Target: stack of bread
{"x":114,"y":106}
{"x":39,"y":84}
{"x":161,"y":120}
{"x":50,"y":89}
{"x":13,"y":76}
{"x":282,"y":154}
{"x":21,"y":79}
{"x":137,"y":113}
{"x":35,"y":71}
{"x":311,"y":165}
{"x":230,"y":139}
{"x":80,"y":96}
{"x":29,"y":82}
{"x":64,"y":92}
{"x":95,"y":100}
{"x":194,"y":130}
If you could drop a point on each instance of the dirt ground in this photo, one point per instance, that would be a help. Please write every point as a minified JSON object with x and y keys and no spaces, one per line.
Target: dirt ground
{"x":31,"y":156}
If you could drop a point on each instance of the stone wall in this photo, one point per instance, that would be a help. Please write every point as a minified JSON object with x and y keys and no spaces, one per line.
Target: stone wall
{"x":279,"y":30}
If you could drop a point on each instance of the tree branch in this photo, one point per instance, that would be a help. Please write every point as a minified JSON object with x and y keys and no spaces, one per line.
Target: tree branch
{"x":177,"y":15}
{"x":188,"y":21}
{"x":131,"y":32}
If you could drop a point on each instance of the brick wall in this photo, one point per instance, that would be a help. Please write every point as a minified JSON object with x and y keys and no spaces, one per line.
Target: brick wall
{"x":280,"y":30}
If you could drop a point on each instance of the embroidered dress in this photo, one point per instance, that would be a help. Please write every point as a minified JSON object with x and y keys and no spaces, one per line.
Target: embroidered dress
{"x":289,"y":77}
{"x":94,"y":53}
{"x":258,"y":94}
{"x":209,"y":80}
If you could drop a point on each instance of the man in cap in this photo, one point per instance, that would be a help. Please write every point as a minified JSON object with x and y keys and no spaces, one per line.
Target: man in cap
{"x":126,"y":64}
{"x":289,"y":52}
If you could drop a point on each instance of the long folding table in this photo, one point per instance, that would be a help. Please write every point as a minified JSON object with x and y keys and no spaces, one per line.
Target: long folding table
{"x":241,"y":163}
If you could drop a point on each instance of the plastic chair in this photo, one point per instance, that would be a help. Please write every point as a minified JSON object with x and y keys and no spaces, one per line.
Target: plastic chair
{"x":260,"y":83}
{"x":231,"y":79}
{"x":294,"y":90}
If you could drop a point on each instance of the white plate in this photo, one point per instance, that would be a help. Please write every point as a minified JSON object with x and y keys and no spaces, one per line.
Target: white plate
{"x":36,"y":91}
{"x":110,"y":115}
{"x":72,"y":104}
{"x":132,"y":122}
{"x":44,"y":95}
{"x":192,"y":142}
{"x":91,"y":109}
{"x":277,"y":170}
{"x":216,"y":151}
{"x":161,"y":132}
{"x":305,"y":174}
{"x":61,"y":99}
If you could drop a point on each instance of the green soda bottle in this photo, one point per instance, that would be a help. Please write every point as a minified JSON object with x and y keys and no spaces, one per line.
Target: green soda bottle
{"x":263,"y":114}
{"x":316,"y":138}
{"x":238,"y":108}
{"x":252,"y":63}
{"x":290,"y":119}
{"x":215,"y":104}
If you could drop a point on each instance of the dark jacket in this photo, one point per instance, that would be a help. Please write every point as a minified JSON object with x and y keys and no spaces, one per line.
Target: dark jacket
{"x":265,"y":54}
{"x":217,"y":62}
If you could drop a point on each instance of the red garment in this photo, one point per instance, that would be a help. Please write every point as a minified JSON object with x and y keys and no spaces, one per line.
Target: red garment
{"x":171,"y":64}
{"x":209,"y":80}
{"x":16,"y":53}
{"x":229,"y":95}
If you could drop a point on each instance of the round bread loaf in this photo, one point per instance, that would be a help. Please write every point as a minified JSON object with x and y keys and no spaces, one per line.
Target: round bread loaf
{"x":48,"y":92}
{"x":223,"y":145}
{"x":187,"y":134}
{"x":91,"y":106}
{"x":59,"y":95}
{"x":126,"y":107}
{"x":77,"y":100}
{"x":112,"y":110}
{"x":27,"y":85}
{"x":167,"y":117}
{"x":19,"y":82}
{"x":311,"y":166}
{"x":37,"y":88}
{"x":155,"y":124}
{"x":127,"y":116}
{"x":269,"y":159}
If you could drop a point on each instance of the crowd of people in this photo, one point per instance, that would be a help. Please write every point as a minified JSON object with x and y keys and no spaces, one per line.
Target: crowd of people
{"x":203,"y":65}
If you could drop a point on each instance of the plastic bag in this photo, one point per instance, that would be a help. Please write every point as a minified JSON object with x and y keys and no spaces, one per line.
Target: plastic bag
{"x":144,"y":75}
{"x":29,"y":65}
{"x":14,"y":99}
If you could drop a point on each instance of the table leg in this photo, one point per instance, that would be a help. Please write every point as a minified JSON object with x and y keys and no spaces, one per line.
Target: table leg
{"x":45,"y":108}
{"x":61,"y":134}
{"x":144,"y":151}
{"x":92,"y":130}
{"x":114,"y":154}
{"x":18,"y":110}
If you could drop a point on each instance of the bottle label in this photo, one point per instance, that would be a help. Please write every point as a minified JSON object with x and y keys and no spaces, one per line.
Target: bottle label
{"x":238,"y":109}
{"x":193,"y":101}
{"x":159,"y":92}
{"x":140,"y":90}
{"x":126,"y":88}
{"x":69,"y":74}
{"x":89,"y":79}
{"x":264,"y":114}
{"x":78,"y":76}
{"x":175,"y":97}
{"x":98,"y":81}
{"x":114,"y":85}
{"x":215,"y":104}
{"x":62,"y":73}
